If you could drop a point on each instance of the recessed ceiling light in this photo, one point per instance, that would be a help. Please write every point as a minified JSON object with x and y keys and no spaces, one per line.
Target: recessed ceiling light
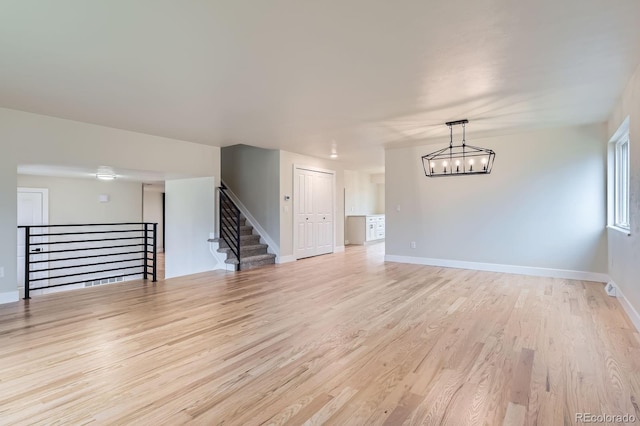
{"x":334,"y":155}
{"x":105,"y":173}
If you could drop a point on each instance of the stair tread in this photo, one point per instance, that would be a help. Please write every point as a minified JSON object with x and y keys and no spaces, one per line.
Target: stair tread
{"x":247,"y":248}
{"x":250,"y":259}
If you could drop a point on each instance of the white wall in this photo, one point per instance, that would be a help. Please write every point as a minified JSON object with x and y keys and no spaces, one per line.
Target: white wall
{"x":36,"y":139}
{"x":253,"y":174}
{"x":543,"y":206}
{"x":152,"y":210}
{"x":624,"y":250}
{"x":190,"y":216}
{"x":76,"y":200}
{"x":8,"y":227}
{"x":380,"y":203}
{"x":287,"y":160}
{"x":361,"y":194}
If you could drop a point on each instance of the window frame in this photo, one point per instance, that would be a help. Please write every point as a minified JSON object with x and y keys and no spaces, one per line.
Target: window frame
{"x":621,"y":158}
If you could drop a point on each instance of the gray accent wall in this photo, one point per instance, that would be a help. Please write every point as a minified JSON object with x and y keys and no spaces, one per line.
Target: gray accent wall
{"x":253,"y":174}
{"x":543,"y":205}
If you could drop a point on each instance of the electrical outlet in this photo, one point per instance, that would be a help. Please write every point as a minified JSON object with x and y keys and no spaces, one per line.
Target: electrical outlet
{"x":413,"y":244}
{"x":610,"y":289}
{"x":1,"y":271}
{"x":398,"y":208}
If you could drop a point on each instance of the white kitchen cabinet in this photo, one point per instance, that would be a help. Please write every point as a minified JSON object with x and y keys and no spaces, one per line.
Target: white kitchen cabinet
{"x":362,"y":229}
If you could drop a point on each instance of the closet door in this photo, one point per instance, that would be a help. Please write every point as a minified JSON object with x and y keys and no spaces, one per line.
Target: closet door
{"x":313,"y":193}
{"x":304,"y":218}
{"x":323,"y":196}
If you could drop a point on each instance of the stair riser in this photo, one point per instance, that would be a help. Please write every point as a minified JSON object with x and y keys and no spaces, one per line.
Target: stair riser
{"x":243,"y":230}
{"x":243,"y":222}
{"x":246,"y":240}
{"x":252,"y":265}
{"x":248,"y":253}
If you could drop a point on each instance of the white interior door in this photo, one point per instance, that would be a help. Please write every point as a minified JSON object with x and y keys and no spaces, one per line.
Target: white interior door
{"x":33,"y":209}
{"x":313,"y":212}
{"x":323,"y":195}
{"x":305,"y":241}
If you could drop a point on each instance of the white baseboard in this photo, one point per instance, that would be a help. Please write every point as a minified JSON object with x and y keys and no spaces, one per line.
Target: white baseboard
{"x":338,"y":249}
{"x":634,"y":316}
{"x":285,"y":259}
{"x":9,"y":297}
{"x":509,"y":269}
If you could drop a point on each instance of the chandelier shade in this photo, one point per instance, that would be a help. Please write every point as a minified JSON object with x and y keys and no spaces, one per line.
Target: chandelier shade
{"x":457,"y":160}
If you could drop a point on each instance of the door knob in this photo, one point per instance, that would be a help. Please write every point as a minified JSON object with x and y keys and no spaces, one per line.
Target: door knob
{"x":36,"y":250}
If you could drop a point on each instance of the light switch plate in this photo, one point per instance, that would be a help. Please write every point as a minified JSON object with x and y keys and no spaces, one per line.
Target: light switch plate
{"x":1,"y":271}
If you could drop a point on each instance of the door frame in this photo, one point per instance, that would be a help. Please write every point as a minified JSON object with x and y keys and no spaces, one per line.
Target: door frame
{"x":45,"y":218}
{"x":295,"y":203}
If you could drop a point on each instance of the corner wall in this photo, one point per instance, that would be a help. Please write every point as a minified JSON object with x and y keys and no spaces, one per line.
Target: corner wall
{"x":624,"y":250}
{"x":190,"y":213}
{"x":253,"y":174}
{"x":542,"y":210}
{"x":8,"y":226}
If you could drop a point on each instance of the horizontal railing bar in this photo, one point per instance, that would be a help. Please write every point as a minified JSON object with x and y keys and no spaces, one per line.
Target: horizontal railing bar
{"x":87,"y":248}
{"x":86,"y":241}
{"x":82,"y":273}
{"x":54,"y":234}
{"x":83,"y":281}
{"x":88,"y":224}
{"x":85,"y":257}
{"x":83,"y":266}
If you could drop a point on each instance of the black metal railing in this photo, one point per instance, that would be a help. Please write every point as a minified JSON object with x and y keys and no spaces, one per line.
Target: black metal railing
{"x":65,"y":255}
{"x":229,"y":221}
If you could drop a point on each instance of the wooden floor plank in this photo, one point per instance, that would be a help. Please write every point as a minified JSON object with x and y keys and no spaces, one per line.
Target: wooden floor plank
{"x":343,"y":339}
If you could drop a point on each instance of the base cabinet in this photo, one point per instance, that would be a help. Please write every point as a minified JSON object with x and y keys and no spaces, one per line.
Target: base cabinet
{"x":365,"y":228}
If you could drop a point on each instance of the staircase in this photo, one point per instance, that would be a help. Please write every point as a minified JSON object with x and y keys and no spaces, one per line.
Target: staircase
{"x":237,"y":237}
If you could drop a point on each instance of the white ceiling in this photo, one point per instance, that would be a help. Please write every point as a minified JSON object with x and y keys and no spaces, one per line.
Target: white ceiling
{"x":303,"y":76}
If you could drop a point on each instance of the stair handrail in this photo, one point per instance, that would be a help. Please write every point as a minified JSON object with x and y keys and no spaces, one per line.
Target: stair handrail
{"x":232,"y":239}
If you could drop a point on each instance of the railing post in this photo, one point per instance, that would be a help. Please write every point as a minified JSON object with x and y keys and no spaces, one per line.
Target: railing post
{"x":145,"y":275}
{"x":155,"y":252}
{"x":238,"y":236}
{"x":27,"y":250}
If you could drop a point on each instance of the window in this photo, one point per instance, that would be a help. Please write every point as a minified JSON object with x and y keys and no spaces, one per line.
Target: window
{"x":621,"y":183}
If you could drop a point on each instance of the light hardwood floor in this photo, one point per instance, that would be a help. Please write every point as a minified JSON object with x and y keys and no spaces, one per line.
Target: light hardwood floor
{"x":342,"y":339}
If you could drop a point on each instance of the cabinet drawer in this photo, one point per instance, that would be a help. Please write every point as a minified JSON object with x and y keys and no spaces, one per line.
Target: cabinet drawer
{"x":380,"y":233}
{"x":380,"y":219}
{"x":380,"y":225}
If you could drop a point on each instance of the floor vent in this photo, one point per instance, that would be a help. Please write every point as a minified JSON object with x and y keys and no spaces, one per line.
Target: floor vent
{"x":103,"y":281}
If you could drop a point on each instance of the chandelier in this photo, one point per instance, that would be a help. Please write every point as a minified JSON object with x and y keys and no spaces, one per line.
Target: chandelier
{"x":458,"y":159}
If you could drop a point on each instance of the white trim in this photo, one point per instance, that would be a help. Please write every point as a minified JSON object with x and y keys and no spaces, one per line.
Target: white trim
{"x":333,"y":200}
{"x":9,"y":297}
{"x":273,"y":247}
{"x":286,"y":259}
{"x":338,"y":249}
{"x":220,"y":262}
{"x":509,"y":269}
{"x":634,"y":316}
{"x":45,"y":201}
{"x":627,"y":232}
{"x":45,"y":221}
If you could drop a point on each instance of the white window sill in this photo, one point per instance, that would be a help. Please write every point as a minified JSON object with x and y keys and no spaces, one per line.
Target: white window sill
{"x":623,"y":230}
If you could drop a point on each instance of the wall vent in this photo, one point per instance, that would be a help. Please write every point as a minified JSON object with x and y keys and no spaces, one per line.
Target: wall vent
{"x":103,"y":281}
